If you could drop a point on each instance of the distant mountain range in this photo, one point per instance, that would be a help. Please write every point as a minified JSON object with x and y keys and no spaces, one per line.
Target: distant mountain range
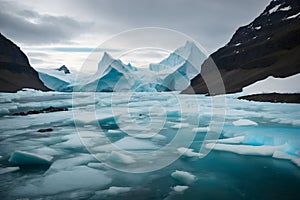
{"x":268,"y":46}
{"x":15,"y":70}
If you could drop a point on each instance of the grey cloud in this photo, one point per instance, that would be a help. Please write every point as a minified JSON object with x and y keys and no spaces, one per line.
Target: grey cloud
{"x":30,"y":27}
{"x":212,"y":23}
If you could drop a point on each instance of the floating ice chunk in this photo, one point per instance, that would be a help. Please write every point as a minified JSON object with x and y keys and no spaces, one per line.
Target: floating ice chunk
{"x":121,"y":158}
{"x":81,"y":177}
{"x":8,"y":170}
{"x":180,"y":125}
{"x":244,"y":149}
{"x":180,"y":188}
{"x":184,"y":177}
{"x":113,"y":190}
{"x":26,"y":158}
{"x":244,"y":122}
{"x":188,"y":152}
{"x":201,"y":129}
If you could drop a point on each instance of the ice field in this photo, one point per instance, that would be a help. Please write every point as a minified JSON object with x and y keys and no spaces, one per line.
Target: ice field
{"x":147,"y":146}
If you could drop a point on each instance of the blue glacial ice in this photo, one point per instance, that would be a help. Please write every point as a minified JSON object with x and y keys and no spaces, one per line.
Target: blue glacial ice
{"x":174,"y":73}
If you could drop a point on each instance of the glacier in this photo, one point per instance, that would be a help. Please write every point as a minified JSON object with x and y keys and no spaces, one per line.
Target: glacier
{"x":174,"y":73}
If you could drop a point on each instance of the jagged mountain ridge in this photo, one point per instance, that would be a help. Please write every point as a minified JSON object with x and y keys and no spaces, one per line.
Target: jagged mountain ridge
{"x":15,"y":70}
{"x":268,"y":46}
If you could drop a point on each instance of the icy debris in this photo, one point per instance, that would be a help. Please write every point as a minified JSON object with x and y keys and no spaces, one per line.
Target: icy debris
{"x":180,"y":188}
{"x":26,"y":158}
{"x":8,"y":170}
{"x":120,"y":158}
{"x":237,"y":44}
{"x":113,"y":190}
{"x":257,"y":28}
{"x":184,"y":177}
{"x":244,"y":122}
{"x":188,"y":152}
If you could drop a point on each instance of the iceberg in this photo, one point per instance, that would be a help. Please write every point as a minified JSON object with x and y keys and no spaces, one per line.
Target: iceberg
{"x":56,"y":80}
{"x":174,"y":73}
{"x":112,"y":76}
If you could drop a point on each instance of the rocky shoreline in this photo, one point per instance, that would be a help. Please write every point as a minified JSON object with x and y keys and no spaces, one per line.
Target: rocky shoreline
{"x":273,"y":97}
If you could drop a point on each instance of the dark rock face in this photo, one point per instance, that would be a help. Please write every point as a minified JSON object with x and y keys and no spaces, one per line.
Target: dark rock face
{"x":268,"y":46}
{"x":64,"y":69}
{"x":15,"y":70}
{"x":273,"y":97}
{"x":44,"y":110}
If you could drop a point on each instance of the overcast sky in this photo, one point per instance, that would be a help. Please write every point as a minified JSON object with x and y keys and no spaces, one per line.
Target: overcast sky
{"x":57,"y":32}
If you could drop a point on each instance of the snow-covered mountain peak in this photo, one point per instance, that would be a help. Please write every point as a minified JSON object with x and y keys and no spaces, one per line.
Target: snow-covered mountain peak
{"x":189,"y":52}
